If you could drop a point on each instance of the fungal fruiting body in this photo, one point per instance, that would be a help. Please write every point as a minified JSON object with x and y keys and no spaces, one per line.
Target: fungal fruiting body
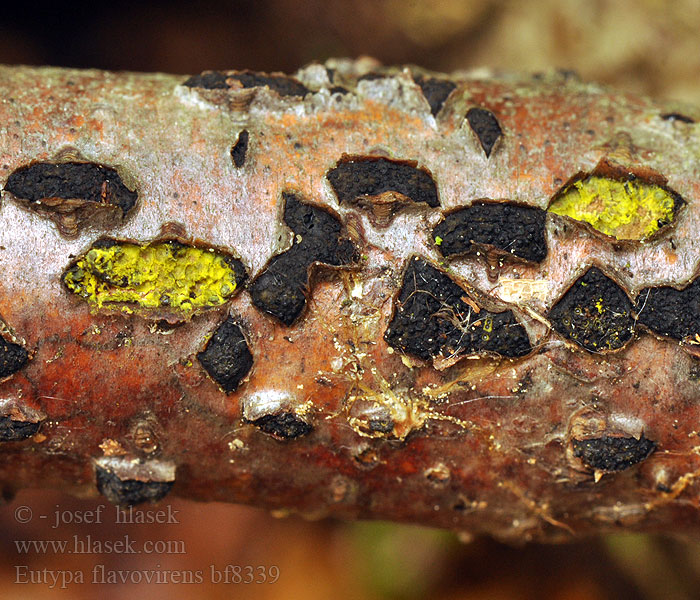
{"x":625,"y":209}
{"x":161,"y":274}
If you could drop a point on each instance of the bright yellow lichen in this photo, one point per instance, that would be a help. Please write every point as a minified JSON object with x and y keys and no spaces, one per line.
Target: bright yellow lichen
{"x":626,"y":210}
{"x":162,"y":274}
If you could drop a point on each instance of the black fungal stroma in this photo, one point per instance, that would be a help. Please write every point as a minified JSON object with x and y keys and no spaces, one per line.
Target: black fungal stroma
{"x":239,"y":149}
{"x":433,"y":319}
{"x":128,"y":492}
{"x":486,"y":127}
{"x":513,"y":228}
{"x":12,"y":358}
{"x":677,"y":117}
{"x":359,"y":176}
{"x":612,"y":453}
{"x":436,"y":91}
{"x":595,"y":313}
{"x":281,"y":288}
{"x":671,"y":312}
{"x":72,"y":194}
{"x":226,"y":356}
{"x":221,"y":80}
{"x":284,"y":425}
{"x":89,"y":182}
{"x":14,"y":431}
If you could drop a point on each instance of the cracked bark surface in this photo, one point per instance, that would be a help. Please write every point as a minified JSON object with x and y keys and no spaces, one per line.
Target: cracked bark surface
{"x":330,"y":419}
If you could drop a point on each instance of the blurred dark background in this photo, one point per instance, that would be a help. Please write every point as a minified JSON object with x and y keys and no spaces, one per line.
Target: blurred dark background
{"x":646,"y":46}
{"x":643,"y":46}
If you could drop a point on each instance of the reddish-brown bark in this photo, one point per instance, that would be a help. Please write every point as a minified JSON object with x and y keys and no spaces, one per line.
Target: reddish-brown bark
{"x":478,"y":443}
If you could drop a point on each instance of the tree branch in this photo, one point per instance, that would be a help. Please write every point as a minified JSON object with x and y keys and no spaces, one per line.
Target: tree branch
{"x":361,"y":292}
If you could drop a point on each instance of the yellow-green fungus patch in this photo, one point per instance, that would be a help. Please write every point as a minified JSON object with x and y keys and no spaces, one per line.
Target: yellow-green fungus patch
{"x":627,"y":209}
{"x":163,"y":274}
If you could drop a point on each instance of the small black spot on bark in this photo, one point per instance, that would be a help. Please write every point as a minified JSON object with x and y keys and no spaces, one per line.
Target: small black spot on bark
{"x":281,"y":288}
{"x":381,"y":425}
{"x":105,"y":243}
{"x":486,"y":127}
{"x":671,"y":312}
{"x":72,"y":194}
{"x":512,"y":228}
{"x":12,"y":358}
{"x":677,"y":117}
{"x":372,"y":77}
{"x":282,"y":84}
{"x":432,"y":319}
{"x":128,"y":492}
{"x":358,"y":176}
{"x":239,"y":149}
{"x":436,"y":91}
{"x":13,"y":430}
{"x":613,"y":453}
{"x":460,"y":505}
{"x":284,"y":425}
{"x":226,"y":356}
{"x":569,"y":74}
{"x":595,"y":313}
